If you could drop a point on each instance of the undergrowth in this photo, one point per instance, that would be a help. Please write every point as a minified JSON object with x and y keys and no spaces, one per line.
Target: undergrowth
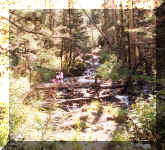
{"x":111,"y":69}
{"x":4,"y":123}
{"x":142,"y":119}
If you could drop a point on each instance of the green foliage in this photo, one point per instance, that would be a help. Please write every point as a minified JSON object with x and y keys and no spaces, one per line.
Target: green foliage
{"x":120,"y":136}
{"x":76,"y":136}
{"x":96,"y":105}
{"x":112,"y":70}
{"x":105,"y":57}
{"x":122,"y":115}
{"x":78,"y":68}
{"x":143,"y":119}
{"x":80,"y":125}
{"x":14,"y":60}
{"x":4,"y":59}
{"x":118,"y":113}
{"x":136,"y":76}
{"x":46,"y":74}
{"x":17,"y":112}
{"x":4,"y":125}
{"x":161,"y":92}
{"x":16,"y":119}
{"x":160,"y":116}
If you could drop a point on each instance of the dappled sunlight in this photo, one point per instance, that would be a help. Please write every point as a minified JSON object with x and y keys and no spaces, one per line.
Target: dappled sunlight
{"x":81,"y":74}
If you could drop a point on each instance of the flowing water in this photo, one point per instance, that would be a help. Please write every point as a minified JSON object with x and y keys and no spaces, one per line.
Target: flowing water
{"x":88,"y":77}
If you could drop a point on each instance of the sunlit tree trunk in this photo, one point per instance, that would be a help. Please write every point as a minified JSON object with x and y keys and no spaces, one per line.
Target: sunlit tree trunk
{"x":122,"y":52}
{"x":52,"y":19}
{"x":131,"y":36}
{"x":70,"y":32}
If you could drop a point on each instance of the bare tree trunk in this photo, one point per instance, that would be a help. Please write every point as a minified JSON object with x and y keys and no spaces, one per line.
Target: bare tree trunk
{"x":52,"y":19}
{"x":70,"y":32}
{"x":131,"y":36}
{"x":123,"y":53}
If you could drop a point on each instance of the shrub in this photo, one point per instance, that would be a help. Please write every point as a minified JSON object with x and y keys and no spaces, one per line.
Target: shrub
{"x":46,"y":74}
{"x":78,"y":68}
{"x":4,"y":123}
{"x":16,"y":119}
{"x":80,"y":125}
{"x":96,"y":106}
{"x":143,"y":119}
{"x":114,"y":71}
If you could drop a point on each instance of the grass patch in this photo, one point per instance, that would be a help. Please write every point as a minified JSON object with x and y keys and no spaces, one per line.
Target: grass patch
{"x":96,"y":105}
{"x":4,"y":123}
{"x":80,"y":125}
{"x":142,"y":117}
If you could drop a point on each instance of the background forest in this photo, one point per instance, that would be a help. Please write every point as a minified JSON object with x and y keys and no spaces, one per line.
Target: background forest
{"x":113,"y":77}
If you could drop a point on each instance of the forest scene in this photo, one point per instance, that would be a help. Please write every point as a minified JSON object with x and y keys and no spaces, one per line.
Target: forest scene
{"x":84,"y":75}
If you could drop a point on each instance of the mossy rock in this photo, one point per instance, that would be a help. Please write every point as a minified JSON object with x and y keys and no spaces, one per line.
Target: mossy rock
{"x":78,"y":68}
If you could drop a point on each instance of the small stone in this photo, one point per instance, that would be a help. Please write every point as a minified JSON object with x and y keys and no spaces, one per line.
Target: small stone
{"x":83,"y":116}
{"x":83,"y":109}
{"x":109,"y":118}
{"x":68,"y":124}
{"x":94,"y":113}
{"x":94,"y":128}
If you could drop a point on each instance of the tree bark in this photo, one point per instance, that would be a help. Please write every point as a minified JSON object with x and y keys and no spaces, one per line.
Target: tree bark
{"x":131,"y":36}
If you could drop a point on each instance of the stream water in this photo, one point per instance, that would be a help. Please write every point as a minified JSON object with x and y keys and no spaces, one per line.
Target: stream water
{"x":88,"y":77}
{"x":89,"y":74}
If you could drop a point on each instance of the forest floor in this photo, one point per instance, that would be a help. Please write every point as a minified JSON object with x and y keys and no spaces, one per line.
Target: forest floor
{"x":91,"y":120}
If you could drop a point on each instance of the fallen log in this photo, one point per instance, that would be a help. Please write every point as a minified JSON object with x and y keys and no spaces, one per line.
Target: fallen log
{"x":65,"y":101}
{"x":111,"y":86}
{"x":77,"y":85}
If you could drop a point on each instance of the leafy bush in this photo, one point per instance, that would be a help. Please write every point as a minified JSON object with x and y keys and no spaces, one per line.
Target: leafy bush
{"x":107,"y":56}
{"x":4,"y":123}
{"x":96,"y":106}
{"x":161,"y":114}
{"x":80,"y":125}
{"x":4,"y":59}
{"x":16,"y":119}
{"x":119,"y":114}
{"x":143,"y":119}
{"x":78,"y":68}
{"x":111,"y":70}
{"x":17,"y":114}
{"x":120,"y":135}
{"x":46,"y":74}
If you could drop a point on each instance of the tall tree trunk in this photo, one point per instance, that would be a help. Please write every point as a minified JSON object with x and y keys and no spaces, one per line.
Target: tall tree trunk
{"x":131,"y":36}
{"x":123,"y":53}
{"x":70,"y":33}
{"x":62,"y":49}
{"x":52,"y":19}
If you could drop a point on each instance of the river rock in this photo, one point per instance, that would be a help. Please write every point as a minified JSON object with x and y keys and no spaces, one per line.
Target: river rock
{"x":68,"y":124}
{"x":83,"y":116}
{"x":94,"y":113}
